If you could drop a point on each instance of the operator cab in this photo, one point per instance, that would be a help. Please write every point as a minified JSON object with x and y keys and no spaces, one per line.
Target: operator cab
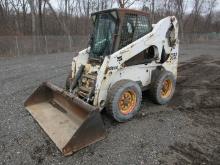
{"x":114,"y":29}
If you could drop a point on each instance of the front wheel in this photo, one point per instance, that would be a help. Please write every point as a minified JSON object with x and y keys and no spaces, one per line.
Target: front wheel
{"x":124,"y":100}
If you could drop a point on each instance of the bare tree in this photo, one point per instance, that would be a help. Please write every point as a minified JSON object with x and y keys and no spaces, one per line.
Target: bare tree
{"x":210,"y":9}
{"x":40,"y":17}
{"x":62,"y":24}
{"x":196,"y":12}
{"x":126,"y":3}
{"x":24,"y":14}
{"x":32,"y":6}
{"x":153,"y":9}
{"x":180,"y":8}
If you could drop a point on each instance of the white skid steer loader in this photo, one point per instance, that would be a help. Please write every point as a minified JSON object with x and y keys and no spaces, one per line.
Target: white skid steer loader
{"x":126,"y":55}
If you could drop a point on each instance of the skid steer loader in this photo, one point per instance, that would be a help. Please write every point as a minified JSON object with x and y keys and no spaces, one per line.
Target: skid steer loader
{"x":126,"y":55}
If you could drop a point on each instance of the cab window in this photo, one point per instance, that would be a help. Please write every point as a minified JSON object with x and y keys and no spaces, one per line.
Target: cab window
{"x":142,"y":27}
{"x":133,"y":28}
{"x":128,"y":28}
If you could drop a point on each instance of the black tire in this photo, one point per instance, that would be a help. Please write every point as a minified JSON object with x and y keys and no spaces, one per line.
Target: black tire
{"x":68,"y":80}
{"x":114,"y":95}
{"x":156,"y":89}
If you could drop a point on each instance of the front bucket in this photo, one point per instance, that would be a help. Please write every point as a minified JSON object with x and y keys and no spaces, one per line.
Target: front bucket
{"x":71,"y":123}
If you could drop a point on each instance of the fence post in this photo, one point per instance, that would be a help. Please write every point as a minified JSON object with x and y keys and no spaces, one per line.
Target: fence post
{"x":45,"y":38}
{"x":34,"y":43}
{"x":17,"y":46}
{"x":70,"y":43}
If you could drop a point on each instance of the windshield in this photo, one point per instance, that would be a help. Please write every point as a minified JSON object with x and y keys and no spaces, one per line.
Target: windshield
{"x":102,"y":37}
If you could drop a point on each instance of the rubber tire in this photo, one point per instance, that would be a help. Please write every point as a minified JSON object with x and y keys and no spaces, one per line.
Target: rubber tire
{"x":114,"y":95}
{"x":156,"y":85}
{"x":68,"y":81}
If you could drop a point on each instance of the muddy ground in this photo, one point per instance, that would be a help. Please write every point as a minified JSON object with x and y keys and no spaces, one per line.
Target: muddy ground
{"x":186,"y":131}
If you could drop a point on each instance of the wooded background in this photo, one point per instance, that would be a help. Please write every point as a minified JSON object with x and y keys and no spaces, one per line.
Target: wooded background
{"x":51,"y":22}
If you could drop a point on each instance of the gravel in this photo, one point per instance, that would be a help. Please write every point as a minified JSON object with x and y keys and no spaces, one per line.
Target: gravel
{"x":186,"y":131}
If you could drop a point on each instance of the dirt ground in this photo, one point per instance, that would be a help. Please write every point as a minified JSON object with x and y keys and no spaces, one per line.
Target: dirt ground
{"x":186,"y":131}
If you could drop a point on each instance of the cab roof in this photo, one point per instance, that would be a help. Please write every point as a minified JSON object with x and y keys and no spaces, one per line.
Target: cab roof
{"x":122,"y":11}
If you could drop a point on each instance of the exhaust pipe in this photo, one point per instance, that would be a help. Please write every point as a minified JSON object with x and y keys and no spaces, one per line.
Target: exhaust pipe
{"x":71,"y":123}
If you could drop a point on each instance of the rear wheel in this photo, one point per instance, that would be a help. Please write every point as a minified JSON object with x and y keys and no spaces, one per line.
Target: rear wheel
{"x":124,"y":100}
{"x":163,"y":87}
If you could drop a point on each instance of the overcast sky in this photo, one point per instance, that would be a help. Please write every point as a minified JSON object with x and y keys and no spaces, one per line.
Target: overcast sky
{"x":139,"y":4}
{"x":188,"y":8}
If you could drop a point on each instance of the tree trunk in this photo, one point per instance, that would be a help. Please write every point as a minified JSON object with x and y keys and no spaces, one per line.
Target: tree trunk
{"x":31,"y":2}
{"x":153,"y":9}
{"x":88,"y":8}
{"x":40,"y":18}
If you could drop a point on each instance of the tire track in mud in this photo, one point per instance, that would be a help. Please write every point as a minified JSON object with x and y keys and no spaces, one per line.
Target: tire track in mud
{"x":198,"y":96}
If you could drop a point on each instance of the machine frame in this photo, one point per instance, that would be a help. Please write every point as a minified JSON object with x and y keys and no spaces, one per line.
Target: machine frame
{"x":163,"y":40}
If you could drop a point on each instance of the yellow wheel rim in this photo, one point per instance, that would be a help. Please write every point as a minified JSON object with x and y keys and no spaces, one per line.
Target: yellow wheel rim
{"x":127,"y":102}
{"x":166,"y":88}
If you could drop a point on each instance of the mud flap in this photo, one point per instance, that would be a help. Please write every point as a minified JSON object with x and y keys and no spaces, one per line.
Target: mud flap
{"x":71,"y":123}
